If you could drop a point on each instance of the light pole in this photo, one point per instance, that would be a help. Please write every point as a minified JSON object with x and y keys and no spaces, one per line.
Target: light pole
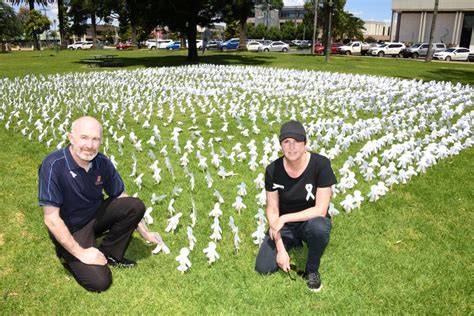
{"x":329,"y":3}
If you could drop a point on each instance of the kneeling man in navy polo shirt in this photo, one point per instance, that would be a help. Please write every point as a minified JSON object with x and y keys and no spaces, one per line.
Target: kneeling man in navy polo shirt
{"x":71,"y":185}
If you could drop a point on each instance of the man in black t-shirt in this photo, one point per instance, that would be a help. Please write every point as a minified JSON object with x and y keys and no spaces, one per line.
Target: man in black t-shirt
{"x":298,"y":189}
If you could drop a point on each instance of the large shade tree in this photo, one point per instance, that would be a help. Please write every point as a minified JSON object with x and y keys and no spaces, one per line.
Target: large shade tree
{"x":238,"y":10}
{"x":184,"y":16}
{"x":31,"y":6}
{"x":10,"y":25}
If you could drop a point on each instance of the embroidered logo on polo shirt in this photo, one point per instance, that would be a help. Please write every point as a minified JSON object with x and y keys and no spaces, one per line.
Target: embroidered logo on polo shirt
{"x":278,"y":186}
{"x":73,"y":174}
{"x":98,"y":180}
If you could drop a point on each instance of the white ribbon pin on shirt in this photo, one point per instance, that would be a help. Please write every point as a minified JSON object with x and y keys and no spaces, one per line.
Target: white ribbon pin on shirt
{"x":309,"y":189}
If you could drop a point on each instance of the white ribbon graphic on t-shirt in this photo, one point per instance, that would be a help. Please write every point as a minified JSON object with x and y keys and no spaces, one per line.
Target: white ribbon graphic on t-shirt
{"x":309,"y":189}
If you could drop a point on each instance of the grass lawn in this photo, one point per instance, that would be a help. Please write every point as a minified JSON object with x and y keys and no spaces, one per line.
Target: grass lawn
{"x":409,"y":253}
{"x":48,"y":62}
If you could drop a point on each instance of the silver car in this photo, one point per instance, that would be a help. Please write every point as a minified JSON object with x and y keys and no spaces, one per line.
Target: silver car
{"x":277,"y":46}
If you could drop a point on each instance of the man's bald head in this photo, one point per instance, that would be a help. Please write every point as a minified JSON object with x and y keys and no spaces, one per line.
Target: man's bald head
{"x":85,"y":123}
{"x":85,"y":138}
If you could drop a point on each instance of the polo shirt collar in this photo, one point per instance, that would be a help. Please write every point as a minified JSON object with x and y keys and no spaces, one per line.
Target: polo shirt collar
{"x":71,"y":163}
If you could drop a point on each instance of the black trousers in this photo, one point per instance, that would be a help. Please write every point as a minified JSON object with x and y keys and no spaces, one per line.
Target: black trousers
{"x":315,"y":233}
{"x":117,"y":218}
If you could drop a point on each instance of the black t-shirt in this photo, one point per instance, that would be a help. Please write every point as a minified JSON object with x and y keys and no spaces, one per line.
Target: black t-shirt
{"x":297,"y":194}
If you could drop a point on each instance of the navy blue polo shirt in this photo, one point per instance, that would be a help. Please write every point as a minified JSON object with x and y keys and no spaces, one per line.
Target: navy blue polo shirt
{"x":77,"y":193}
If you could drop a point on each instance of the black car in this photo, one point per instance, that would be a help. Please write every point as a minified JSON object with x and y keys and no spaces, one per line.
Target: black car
{"x":470,"y":57}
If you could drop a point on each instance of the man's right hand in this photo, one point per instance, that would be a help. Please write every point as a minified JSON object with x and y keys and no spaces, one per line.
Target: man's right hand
{"x":92,"y":256}
{"x":283,"y":260}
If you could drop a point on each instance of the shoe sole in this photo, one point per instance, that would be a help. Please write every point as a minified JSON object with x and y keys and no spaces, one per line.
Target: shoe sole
{"x":316,"y":290}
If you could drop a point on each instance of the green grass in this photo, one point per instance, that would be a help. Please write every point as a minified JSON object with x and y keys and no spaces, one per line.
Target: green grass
{"x":47,"y":62}
{"x":410,"y":252}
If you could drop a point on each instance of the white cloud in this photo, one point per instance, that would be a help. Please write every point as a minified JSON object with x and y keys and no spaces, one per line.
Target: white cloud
{"x":356,"y":13}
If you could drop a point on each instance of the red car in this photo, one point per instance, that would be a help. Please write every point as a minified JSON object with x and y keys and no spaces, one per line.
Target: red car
{"x":126,"y":45}
{"x":319,"y":48}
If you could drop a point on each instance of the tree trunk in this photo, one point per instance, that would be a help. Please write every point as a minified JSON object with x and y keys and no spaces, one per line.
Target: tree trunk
{"x":429,"y":54}
{"x":191,"y":35}
{"x":94,"y":28}
{"x":134,"y":33}
{"x":36,"y":44}
{"x":242,"y":34}
{"x":4,"y":49}
{"x":315,"y":24}
{"x":62,"y":31}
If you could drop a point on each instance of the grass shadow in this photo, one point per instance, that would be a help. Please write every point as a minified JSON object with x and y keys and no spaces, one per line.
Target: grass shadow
{"x":452,"y":74}
{"x":180,"y":60}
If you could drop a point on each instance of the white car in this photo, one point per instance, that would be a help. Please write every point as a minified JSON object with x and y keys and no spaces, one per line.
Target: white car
{"x":254,"y":46}
{"x":389,"y":48}
{"x":459,"y":53}
{"x":275,"y":47}
{"x":158,"y":44}
{"x":81,"y":45}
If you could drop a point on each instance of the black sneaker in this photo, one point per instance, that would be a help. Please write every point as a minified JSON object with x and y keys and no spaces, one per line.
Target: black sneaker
{"x":124,"y":263}
{"x":313,"y":280}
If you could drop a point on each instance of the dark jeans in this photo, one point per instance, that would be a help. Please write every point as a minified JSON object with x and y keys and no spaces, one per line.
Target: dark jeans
{"x":117,"y":218}
{"x":314,"y":232}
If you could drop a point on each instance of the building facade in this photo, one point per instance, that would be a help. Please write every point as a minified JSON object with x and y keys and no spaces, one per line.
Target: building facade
{"x":378,"y":30}
{"x":411,"y":22}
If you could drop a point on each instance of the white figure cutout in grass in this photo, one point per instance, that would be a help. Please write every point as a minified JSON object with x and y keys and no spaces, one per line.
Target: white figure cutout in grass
{"x":171,"y":209}
{"x":261,"y":198}
{"x":211,"y":252}
{"x":193,"y":214}
{"x":259,"y":234}
{"x":348,"y":203}
{"x":176,"y":191}
{"x":173,"y":223}
{"x":216,"y":211}
{"x":260,"y":216}
{"x":147,"y":217}
{"x":239,"y":204}
{"x":155,"y":198}
{"x":183,"y":260}
{"x":332,"y":210}
{"x":260,"y":181}
{"x":151,"y":141}
{"x":242,"y":189}
{"x":138,"y":181}
{"x":191,"y":238}
{"x":358,"y":198}
{"x":216,"y":230}
{"x":209,"y":180}
{"x":218,"y":196}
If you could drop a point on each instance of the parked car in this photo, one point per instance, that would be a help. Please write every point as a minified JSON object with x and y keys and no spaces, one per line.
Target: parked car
{"x":124,"y":45}
{"x":254,"y":46}
{"x":459,"y":53}
{"x":277,"y":46}
{"x":213,"y":45}
{"x":353,"y":48}
{"x":421,"y":49}
{"x":158,"y":44}
{"x":470,"y":57}
{"x":81,"y":45}
{"x":390,"y":48}
{"x":233,"y":43}
{"x":174,"y":45}
{"x":320,"y":49}
{"x":303,"y":44}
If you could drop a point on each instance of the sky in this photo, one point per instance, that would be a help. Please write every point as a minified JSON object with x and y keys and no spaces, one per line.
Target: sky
{"x":367,"y":10}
